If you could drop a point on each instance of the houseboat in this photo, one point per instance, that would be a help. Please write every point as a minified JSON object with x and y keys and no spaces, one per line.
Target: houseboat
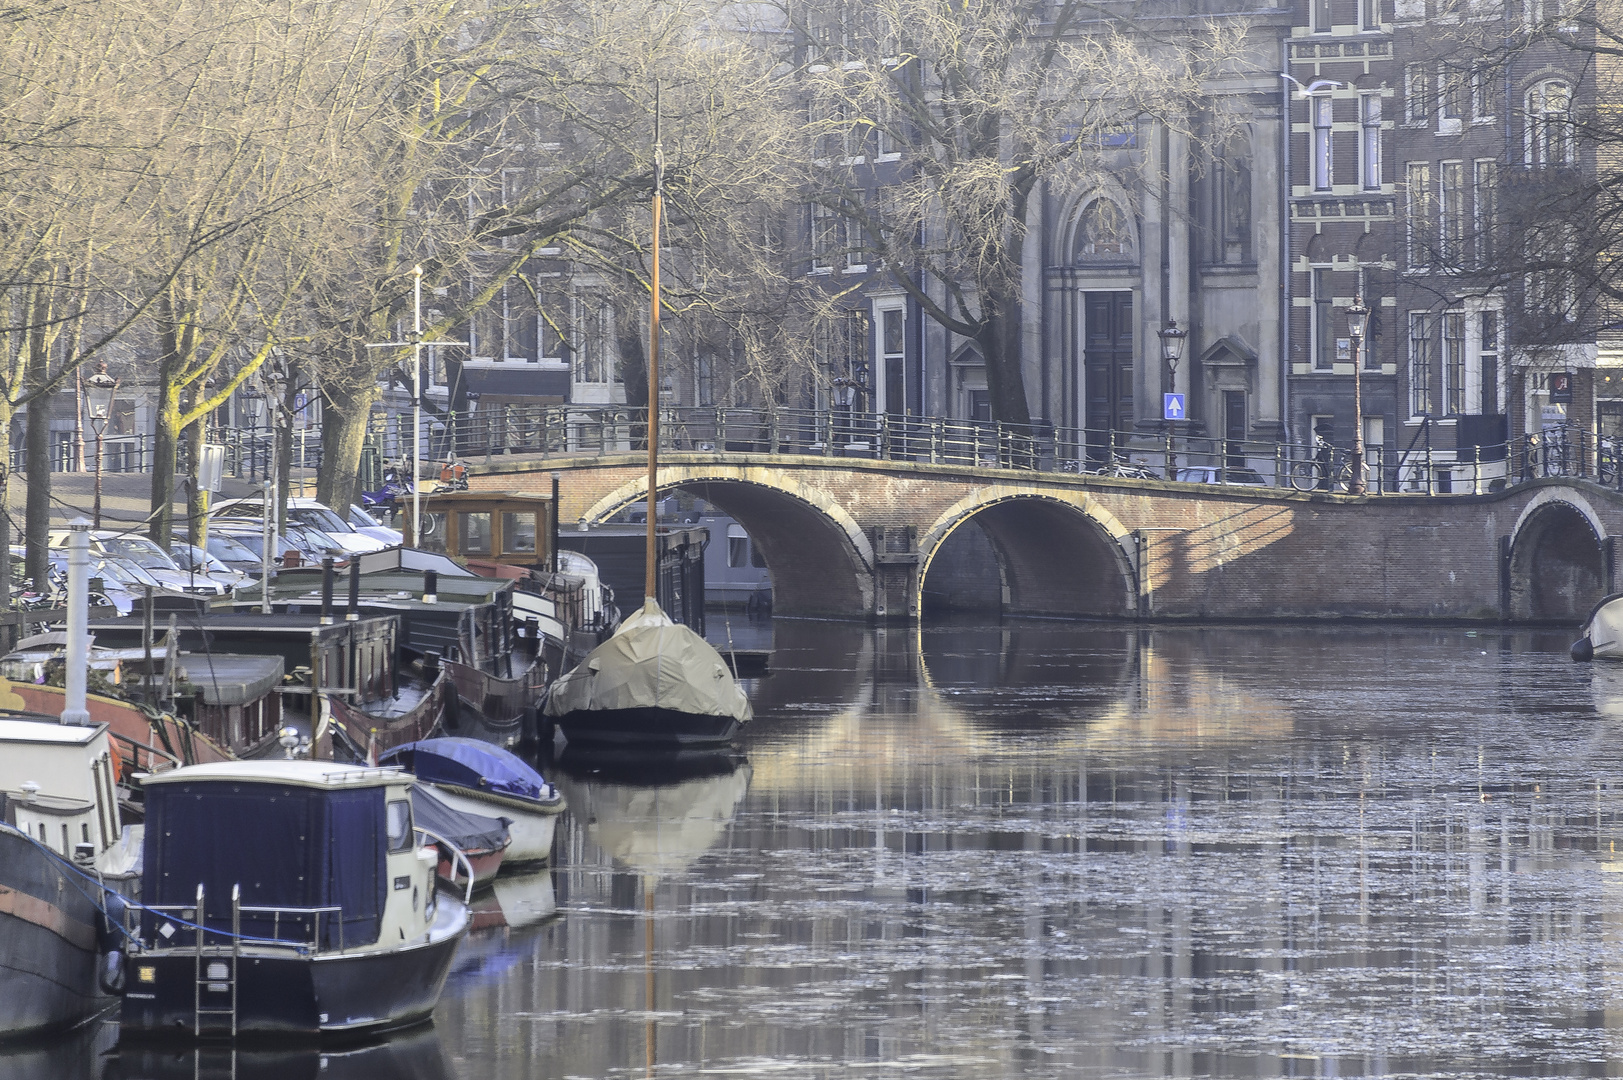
{"x":289,"y":898}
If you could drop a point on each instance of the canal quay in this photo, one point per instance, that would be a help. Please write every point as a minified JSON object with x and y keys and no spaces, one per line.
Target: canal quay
{"x":1060,"y":850}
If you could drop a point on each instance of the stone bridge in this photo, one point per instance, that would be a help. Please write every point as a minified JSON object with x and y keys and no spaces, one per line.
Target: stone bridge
{"x":852,"y":538}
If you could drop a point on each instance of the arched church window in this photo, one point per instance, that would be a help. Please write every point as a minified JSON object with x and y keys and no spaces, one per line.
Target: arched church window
{"x":1104,"y":233}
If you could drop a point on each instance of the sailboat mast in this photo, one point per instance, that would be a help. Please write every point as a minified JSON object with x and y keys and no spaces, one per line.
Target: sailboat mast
{"x":652,"y":562}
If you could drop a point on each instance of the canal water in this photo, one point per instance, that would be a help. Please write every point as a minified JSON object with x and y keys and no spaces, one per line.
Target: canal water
{"x":1051,"y":850}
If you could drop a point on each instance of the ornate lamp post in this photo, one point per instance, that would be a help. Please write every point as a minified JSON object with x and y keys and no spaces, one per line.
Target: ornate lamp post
{"x":253,"y":404}
{"x":1172,"y":342}
{"x":99,"y":404}
{"x":1357,"y":324}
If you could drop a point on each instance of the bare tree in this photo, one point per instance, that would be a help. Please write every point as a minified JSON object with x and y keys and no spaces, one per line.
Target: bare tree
{"x":980,"y":103}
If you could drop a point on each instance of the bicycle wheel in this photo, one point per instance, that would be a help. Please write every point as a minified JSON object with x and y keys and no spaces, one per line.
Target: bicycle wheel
{"x":1304,"y":475}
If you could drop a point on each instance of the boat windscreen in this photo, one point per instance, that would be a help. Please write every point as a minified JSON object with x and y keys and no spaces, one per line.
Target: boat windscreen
{"x":284,"y":846}
{"x":469,"y":763}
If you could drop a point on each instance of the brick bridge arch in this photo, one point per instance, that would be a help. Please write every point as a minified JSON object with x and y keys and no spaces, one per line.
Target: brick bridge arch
{"x":1558,"y":558}
{"x":1057,"y":555}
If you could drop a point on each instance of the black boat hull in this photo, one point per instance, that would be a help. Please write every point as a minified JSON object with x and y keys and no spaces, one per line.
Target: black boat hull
{"x":280,"y":993}
{"x":48,"y":941}
{"x":646,"y":728}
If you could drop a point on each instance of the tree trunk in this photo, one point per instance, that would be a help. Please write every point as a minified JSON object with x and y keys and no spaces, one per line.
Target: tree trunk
{"x":192,"y":437}
{"x":165,"y":441}
{"x":37,"y":455}
{"x":7,"y":633}
{"x":343,"y":434}
{"x":999,"y":339}
{"x":633,"y":349}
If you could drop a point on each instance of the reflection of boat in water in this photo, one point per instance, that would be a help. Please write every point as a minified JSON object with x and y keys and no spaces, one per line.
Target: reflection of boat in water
{"x":410,"y":1055}
{"x":1603,"y":631}
{"x":646,"y":821}
{"x":59,"y":1055}
{"x":515,"y":901}
{"x":655,"y":684}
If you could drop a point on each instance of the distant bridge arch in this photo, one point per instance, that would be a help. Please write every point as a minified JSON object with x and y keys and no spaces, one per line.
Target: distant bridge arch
{"x":1059,"y":553}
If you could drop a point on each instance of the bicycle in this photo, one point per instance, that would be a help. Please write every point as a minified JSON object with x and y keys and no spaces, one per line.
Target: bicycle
{"x":1328,"y":470}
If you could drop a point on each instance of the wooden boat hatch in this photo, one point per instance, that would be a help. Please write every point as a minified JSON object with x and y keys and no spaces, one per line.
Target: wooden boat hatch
{"x":511,"y":528}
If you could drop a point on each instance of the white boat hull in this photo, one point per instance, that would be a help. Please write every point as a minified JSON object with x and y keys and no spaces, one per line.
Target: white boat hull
{"x":1603,"y":633}
{"x":532,"y":830}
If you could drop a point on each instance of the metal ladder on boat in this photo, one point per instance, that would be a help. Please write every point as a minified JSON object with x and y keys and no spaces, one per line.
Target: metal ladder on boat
{"x":215,"y":967}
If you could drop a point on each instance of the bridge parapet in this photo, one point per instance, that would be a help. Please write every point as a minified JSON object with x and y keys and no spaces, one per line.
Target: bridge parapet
{"x":862,"y":537}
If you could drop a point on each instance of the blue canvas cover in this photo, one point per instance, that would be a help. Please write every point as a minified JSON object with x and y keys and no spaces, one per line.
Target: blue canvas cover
{"x":472,"y":764}
{"x":285,"y":846}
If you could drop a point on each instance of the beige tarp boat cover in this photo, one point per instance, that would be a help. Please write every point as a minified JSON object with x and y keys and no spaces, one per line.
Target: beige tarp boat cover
{"x":651,"y":662}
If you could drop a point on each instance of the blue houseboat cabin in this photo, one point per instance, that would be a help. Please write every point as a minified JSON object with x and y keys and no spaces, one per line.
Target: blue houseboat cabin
{"x":286,"y":896}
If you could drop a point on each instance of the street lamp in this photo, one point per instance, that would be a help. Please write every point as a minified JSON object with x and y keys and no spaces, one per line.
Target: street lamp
{"x":275,"y":389}
{"x":1357,"y":324}
{"x":1172,"y":342}
{"x":253,"y":403}
{"x":99,"y":403}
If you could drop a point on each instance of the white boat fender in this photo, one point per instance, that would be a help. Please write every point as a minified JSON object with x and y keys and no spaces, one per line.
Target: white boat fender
{"x":1583,"y":650}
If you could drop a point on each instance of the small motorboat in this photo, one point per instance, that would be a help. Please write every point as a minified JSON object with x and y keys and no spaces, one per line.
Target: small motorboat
{"x":654,"y":685}
{"x":66,"y":864}
{"x":294,"y":898}
{"x":1603,"y":631}
{"x":482,"y":840}
{"x":481,"y":778}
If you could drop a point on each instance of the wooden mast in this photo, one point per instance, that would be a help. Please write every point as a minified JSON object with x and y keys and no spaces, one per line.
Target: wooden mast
{"x":651,"y":566}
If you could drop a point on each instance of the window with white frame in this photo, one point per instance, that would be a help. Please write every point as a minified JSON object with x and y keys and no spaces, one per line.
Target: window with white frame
{"x":1454,"y":362}
{"x":1484,"y":206}
{"x":1419,"y":363}
{"x":825,"y":237}
{"x":1321,"y":17}
{"x":518,"y":321}
{"x":1369,"y":14}
{"x":890,"y":383}
{"x":854,"y":240}
{"x":1417,"y":93}
{"x":1548,"y":136}
{"x":595,"y":354}
{"x":1323,"y":331}
{"x":1419,"y":219}
{"x":554,"y":326}
{"x":1451,"y":210}
{"x":704,"y":380}
{"x":1322,"y":113}
{"x":1453,"y":93}
{"x":1488,"y":359}
{"x":1369,"y":141}
{"x":1483,"y":93}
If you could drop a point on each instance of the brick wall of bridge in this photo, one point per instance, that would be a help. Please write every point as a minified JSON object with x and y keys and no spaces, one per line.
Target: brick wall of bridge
{"x":1093,"y":546}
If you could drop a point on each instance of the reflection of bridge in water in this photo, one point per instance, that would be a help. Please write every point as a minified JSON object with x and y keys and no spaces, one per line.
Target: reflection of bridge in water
{"x":870,"y":537}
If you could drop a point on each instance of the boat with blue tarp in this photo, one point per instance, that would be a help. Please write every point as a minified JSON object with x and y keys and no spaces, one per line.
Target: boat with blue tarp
{"x":481,"y":778}
{"x":287,"y":898}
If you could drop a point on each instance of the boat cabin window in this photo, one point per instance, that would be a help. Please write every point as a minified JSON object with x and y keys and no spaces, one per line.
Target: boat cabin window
{"x":399,"y":825}
{"x":518,"y":532}
{"x":475,"y":538}
{"x":433,"y":533}
{"x":738,"y":546}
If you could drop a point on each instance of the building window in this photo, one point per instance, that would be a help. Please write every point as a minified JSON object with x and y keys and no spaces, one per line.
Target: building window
{"x":1417,"y":94}
{"x":1451,"y":210}
{"x":594,"y":342}
{"x":1322,"y":110}
{"x":554,"y":318}
{"x":1369,"y":14}
{"x":1482,"y":93}
{"x":1454,"y":362}
{"x":825,"y":238}
{"x":890,"y":388}
{"x":1488,"y":350}
{"x":1418,"y":220}
{"x":1485,"y":206}
{"x":1369,"y":118}
{"x":1453,"y":87}
{"x":1324,"y":324}
{"x":851,"y":236}
{"x":1420,"y":402}
{"x":1549,"y":138}
{"x":704,"y":381}
{"x":1321,"y":16}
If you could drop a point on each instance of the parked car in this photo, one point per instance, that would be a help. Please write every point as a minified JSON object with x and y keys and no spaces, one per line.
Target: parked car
{"x":146,"y":554}
{"x":233,"y":553}
{"x":367,"y":524}
{"x":1242,"y":475}
{"x":194,"y":560}
{"x":246,"y":533}
{"x":310,"y":514}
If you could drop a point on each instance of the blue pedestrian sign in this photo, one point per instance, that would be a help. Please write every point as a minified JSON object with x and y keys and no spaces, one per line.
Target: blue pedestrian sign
{"x":1172,"y":406}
